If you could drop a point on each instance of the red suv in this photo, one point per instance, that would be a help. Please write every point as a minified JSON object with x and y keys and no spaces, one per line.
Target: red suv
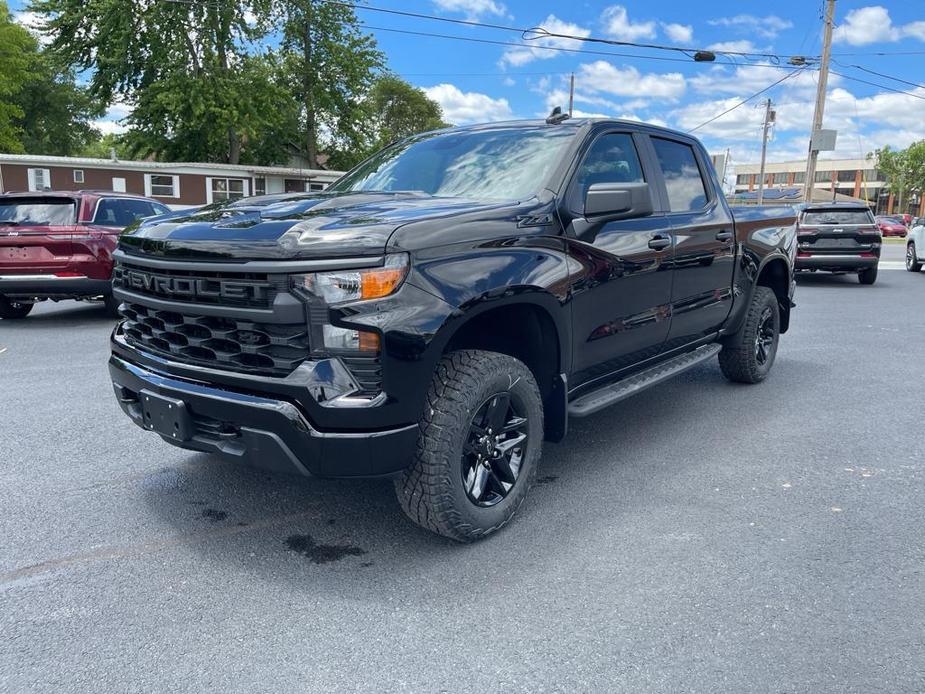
{"x":59,"y":245}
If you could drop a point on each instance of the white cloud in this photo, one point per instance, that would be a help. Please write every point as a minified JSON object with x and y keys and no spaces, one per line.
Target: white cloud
{"x":679,"y":33}
{"x":468,"y":107}
{"x":618,"y":25}
{"x":767,"y":27}
{"x":873,"y":24}
{"x":109,"y":127}
{"x":749,"y":78}
{"x":601,"y":76}
{"x":740,"y":46}
{"x":523,"y":55}
{"x":867,"y":25}
{"x":473,"y":9}
{"x":33,"y":21}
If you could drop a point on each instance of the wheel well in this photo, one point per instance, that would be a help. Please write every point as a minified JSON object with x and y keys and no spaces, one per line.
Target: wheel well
{"x":776,"y":277}
{"x":525,"y":332}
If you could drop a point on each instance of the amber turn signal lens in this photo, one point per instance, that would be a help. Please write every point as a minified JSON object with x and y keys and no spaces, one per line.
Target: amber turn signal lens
{"x":382,"y":282}
{"x":369,"y":342}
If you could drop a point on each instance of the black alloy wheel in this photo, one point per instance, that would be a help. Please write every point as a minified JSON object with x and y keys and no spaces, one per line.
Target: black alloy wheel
{"x":494,"y":451}
{"x":765,"y":336}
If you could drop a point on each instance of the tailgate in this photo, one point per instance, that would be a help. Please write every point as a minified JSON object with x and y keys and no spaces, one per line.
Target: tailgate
{"x":36,"y":251}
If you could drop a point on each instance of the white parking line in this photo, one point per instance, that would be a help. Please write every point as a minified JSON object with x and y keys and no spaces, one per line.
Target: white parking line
{"x":892,"y":265}
{"x":2,"y":350}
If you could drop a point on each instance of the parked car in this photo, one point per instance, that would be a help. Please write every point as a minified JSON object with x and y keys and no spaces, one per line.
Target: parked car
{"x":892,"y":226}
{"x":59,"y":245}
{"x":447,"y":305}
{"x":839,"y":237}
{"x":915,"y":246}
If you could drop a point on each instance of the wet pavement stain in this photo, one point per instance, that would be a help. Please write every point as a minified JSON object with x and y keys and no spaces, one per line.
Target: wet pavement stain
{"x":214,"y":515}
{"x":321,"y":554}
{"x":546,"y":479}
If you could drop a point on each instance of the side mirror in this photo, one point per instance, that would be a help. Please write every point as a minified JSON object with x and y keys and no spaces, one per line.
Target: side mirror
{"x":606,"y":201}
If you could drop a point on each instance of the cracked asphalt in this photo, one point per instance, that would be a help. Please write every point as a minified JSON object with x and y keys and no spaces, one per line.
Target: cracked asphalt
{"x":700,"y":537}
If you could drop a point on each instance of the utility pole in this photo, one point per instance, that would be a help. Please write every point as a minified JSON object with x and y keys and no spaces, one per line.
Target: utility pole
{"x":810,"y":183}
{"x":571,"y":94}
{"x":768,"y":119}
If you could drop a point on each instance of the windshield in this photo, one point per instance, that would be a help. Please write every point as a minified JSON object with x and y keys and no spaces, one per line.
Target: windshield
{"x":496,"y":164}
{"x":39,"y":213}
{"x":856,"y":216}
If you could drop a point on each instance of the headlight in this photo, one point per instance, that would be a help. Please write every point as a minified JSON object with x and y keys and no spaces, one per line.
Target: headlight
{"x":338,"y":286}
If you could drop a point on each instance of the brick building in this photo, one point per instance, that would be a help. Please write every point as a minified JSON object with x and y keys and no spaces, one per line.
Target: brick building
{"x":177,"y":185}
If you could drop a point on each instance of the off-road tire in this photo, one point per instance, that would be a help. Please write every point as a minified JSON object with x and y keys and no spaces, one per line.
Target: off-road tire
{"x":13,"y":310}
{"x":431,"y":491}
{"x":912,"y":261}
{"x":738,"y":359}
{"x":868,"y":275}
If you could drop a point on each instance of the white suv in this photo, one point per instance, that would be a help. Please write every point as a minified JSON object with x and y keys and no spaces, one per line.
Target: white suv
{"x":915,"y":245}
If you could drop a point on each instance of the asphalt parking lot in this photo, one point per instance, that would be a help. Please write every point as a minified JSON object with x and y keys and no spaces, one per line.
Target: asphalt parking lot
{"x":700,"y":537}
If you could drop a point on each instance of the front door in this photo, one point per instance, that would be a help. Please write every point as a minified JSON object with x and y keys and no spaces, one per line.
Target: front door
{"x":704,"y":250}
{"x":621,"y":284}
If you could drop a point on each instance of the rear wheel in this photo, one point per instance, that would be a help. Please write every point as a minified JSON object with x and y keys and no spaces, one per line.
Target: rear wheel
{"x":479,"y":445}
{"x":912,"y":260}
{"x":12,"y":310}
{"x":748,"y":355}
{"x":868,"y":275}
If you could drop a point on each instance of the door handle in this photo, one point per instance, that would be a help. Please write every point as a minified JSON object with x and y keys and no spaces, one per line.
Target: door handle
{"x":724,"y":235}
{"x":657,"y":243}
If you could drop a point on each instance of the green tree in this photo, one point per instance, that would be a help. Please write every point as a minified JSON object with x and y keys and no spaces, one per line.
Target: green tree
{"x":103,"y":147}
{"x":17,"y":48}
{"x":400,"y":109}
{"x":331,"y":64}
{"x":904,"y":170}
{"x":186,"y":68}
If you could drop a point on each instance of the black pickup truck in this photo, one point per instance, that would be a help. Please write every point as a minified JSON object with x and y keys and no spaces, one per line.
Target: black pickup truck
{"x":447,"y":306}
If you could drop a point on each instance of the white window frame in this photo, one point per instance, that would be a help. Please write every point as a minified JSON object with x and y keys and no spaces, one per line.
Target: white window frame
{"x":118,"y":184}
{"x":46,"y":179}
{"x":148,"y":186}
{"x":209,"y":179}
{"x":310,"y":183}
{"x":76,"y":179}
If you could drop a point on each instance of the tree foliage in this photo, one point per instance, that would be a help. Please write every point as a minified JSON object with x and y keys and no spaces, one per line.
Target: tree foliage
{"x":184,"y":67}
{"x":400,"y":109}
{"x":904,"y":169}
{"x":330,"y":65}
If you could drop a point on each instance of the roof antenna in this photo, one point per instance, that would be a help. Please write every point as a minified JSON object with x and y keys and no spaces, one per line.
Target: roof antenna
{"x":556,"y":116}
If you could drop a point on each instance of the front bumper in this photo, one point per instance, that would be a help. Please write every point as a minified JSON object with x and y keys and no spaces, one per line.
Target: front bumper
{"x":52,"y":287}
{"x":259,"y":431}
{"x":836,"y":262}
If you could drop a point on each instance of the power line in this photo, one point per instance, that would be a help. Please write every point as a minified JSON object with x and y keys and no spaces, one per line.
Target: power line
{"x":746,"y":100}
{"x":582,"y":51}
{"x":880,"y":86}
{"x":539,"y":32}
{"x":885,"y":76}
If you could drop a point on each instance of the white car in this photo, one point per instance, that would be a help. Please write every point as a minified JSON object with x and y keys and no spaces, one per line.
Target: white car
{"x":915,"y":246}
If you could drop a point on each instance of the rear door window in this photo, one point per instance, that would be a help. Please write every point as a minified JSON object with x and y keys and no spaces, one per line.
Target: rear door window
{"x":118,"y":212}
{"x":686,"y":189}
{"x":836,"y":216}
{"x":37,"y":212}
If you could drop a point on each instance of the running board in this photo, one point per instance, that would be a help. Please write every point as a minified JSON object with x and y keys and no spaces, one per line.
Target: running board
{"x":615,"y":392}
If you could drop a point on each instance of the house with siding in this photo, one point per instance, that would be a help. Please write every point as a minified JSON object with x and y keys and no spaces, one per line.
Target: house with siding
{"x":177,"y":184}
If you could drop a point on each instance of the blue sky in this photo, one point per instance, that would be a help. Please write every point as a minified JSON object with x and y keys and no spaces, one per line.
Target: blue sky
{"x":480,"y":81}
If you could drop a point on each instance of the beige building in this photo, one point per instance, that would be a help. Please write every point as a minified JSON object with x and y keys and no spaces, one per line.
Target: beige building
{"x":177,"y":185}
{"x":857,"y":178}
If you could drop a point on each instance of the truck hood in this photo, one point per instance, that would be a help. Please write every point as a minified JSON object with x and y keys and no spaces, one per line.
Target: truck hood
{"x":299,"y":225}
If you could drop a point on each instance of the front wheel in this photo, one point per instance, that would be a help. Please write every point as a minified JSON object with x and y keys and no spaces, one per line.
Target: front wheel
{"x":480,"y":441}
{"x":912,"y":260}
{"x":14,"y":310}
{"x":868,"y":275}
{"x":748,"y":355}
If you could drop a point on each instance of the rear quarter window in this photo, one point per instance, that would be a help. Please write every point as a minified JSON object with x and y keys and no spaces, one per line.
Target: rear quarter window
{"x":120,"y":212}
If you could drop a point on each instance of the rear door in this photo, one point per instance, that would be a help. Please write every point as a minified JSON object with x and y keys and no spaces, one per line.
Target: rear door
{"x":36,"y":234}
{"x":704,"y":234}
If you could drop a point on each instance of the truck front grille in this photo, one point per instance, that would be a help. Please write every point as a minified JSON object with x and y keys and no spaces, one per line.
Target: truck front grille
{"x":224,"y":343}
